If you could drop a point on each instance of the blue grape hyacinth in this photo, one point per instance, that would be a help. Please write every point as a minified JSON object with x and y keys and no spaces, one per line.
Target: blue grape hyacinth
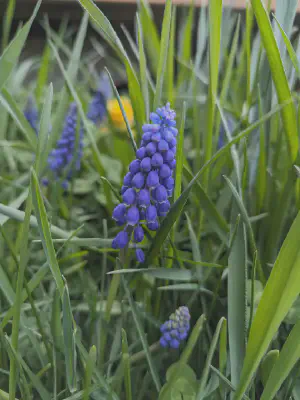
{"x":176,"y":329}
{"x":31,"y":113}
{"x":149,"y":183}
{"x":65,"y":159}
{"x":97,"y":107}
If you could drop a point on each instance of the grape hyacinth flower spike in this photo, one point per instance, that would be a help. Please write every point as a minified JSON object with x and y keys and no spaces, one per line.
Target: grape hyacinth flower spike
{"x":31,"y":113}
{"x":149,"y":182}
{"x":97,"y":107}
{"x":176,"y":329}
{"x":65,"y":159}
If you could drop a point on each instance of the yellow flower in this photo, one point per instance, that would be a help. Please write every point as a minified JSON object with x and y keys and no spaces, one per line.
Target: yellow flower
{"x":115,"y":112}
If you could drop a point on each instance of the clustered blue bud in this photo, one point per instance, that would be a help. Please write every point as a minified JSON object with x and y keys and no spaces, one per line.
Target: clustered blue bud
{"x":65,"y":159}
{"x":149,"y":182}
{"x":31,"y":113}
{"x":176,"y":329}
{"x":97,"y":107}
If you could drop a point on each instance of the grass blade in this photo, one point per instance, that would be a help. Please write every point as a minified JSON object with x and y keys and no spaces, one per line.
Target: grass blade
{"x":237,"y":301}
{"x":44,"y":230}
{"x":278,"y":75}
{"x":126,"y":366}
{"x":143,"y":68}
{"x":215,"y":18}
{"x":165,"y":37}
{"x":288,"y":357}
{"x":142,"y":336}
{"x":24,"y":254}
{"x":69,"y":340}
{"x":272,"y":309}
{"x":12,"y":53}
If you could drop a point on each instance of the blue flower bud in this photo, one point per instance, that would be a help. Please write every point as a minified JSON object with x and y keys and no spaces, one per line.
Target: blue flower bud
{"x":129,"y":196}
{"x":151,"y":148}
{"x":151,"y":128}
{"x":119,"y":212}
{"x":169,"y":183}
{"x":172,"y":164}
{"x":121,"y":240}
{"x":157,"y":160}
{"x":133,"y":215}
{"x":123,"y":189}
{"x":160,"y":194}
{"x":134,"y":166}
{"x":152,"y":179}
{"x":165,"y":171}
{"x":173,"y":142}
{"x":163,"y":208}
{"x":156,"y":137}
{"x":127,"y":179}
{"x":138,"y":234}
{"x":138,"y":180}
{"x":143,"y":198}
{"x":151,"y":214}
{"x":146,"y":164}
{"x":146,"y":136}
{"x":155,"y":118}
{"x":153,"y":226}
{"x":163,"y":145}
{"x":140,"y":256}
{"x":168,"y":155}
{"x":141,"y":152}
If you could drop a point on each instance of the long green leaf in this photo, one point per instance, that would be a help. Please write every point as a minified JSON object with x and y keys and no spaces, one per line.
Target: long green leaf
{"x":24,"y":254}
{"x":69,"y":340}
{"x":17,"y":115}
{"x":165,"y":36}
{"x":215,"y":18}
{"x":284,"y":281}
{"x":278,"y":75}
{"x":288,"y":357}
{"x":41,"y":155}
{"x":11,"y":54}
{"x":45,"y":233}
{"x":237,"y":302}
{"x":152,"y":367}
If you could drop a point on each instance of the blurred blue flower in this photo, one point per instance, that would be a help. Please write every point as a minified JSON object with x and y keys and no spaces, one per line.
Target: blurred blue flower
{"x":222,"y":134}
{"x":97,"y":107}
{"x":31,"y":113}
{"x":176,"y":329}
{"x":65,"y":159}
{"x":149,"y":182}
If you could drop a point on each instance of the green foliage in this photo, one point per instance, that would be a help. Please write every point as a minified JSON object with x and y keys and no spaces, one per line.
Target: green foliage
{"x":81,"y":320}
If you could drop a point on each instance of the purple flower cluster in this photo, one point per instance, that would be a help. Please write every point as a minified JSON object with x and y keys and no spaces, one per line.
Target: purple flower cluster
{"x":176,"y":329}
{"x":65,"y":159}
{"x":31,"y":113}
{"x":97,"y":107}
{"x":149,"y":182}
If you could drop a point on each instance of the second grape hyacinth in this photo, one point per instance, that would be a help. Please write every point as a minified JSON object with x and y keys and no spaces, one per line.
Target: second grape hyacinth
{"x":149,"y":182}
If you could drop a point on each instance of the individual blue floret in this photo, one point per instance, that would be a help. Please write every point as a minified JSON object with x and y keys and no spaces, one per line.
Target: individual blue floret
{"x":176,"y":329}
{"x":31,"y":113}
{"x":65,"y":159}
{"x":149,"y":182}
{"x":97,"y":107}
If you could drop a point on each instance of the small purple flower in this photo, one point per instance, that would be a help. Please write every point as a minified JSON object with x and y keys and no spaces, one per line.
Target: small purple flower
{"x":31,"y":114}
{"x":176,"y":328}
{"x":140,"y":256}
{"x":97,"y":107}
{"x":149,"y":182}
{"x":65,"y":159}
